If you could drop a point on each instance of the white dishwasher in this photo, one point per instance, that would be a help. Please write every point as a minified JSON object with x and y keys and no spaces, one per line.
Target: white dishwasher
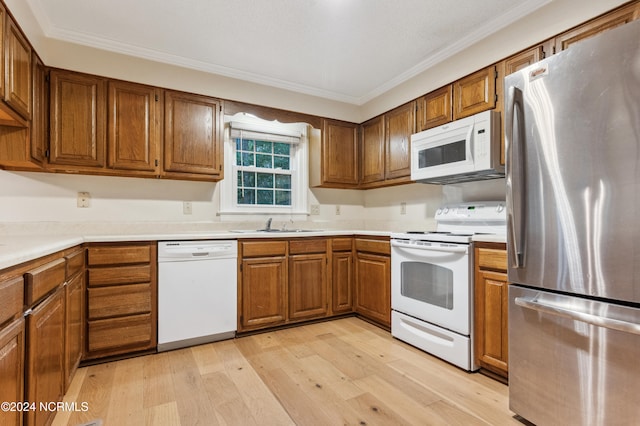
{"x":197,"y":292}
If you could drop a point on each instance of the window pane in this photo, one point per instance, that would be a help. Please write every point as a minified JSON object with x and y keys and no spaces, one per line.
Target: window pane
{"x":247,"y":145}
{"x":246,"y":196}
{"x":265,"y":196}
{"x":238,"y":144}
{"x":262,"y":146}
{"x":283,"y":181}
{"x":283,"y":198}
{"x":238,"y":158}
{"x":246,"y":179}
{"x":281,"y":148}
{"x":265,"y":180}
{"x":264,"y":161}
{"x":281,"y":163}
{"x":247,"y":159}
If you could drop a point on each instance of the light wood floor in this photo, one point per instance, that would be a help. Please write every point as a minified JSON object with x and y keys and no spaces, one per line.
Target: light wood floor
{"x":332,"y":373}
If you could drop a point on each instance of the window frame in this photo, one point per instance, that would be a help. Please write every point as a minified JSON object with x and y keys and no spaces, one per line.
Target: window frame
{"x":299,"y":166}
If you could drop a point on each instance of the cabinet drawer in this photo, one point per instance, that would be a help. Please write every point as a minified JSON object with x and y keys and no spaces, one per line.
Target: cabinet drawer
{"x":307,"y":246}
{"x":119,"y":275}
{"x":492,"y":259}
{"x":264,"y":248}
{"x":42,"y":280}
{"x":119,"y":255}
{"x":11,"y":298}
{"x":373,"y":246}
{"x":75,"y":262}
{"x":105,"y":302}
{"x":342,"y":244}
{"x":121,"y":334}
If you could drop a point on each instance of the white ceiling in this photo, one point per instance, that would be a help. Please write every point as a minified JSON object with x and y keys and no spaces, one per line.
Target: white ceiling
{"x":344,"y":50}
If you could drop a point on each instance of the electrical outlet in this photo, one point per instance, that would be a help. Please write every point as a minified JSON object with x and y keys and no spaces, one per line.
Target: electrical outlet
{"x":315,"y":209}
{"x":337,"y":209}
{"x":403,"y":208}
{"x":84,"y":200}
{"x":187,"y":208}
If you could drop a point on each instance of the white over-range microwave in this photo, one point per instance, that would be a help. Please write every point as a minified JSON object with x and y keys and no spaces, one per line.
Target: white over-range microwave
{"x":462,"y":151}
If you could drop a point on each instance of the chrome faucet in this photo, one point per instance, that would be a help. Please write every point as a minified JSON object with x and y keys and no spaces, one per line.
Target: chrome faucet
{"x":267,"y":226}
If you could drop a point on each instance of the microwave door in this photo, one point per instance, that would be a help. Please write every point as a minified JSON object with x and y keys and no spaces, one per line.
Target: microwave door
{"x":446,"y":154}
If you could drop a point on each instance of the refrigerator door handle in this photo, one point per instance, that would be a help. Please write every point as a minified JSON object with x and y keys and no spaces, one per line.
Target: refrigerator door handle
{"x":599,"y":321}
{"x":515,"y":173}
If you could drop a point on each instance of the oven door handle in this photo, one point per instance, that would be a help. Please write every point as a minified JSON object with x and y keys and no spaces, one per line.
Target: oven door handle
{"x":406,"y":246}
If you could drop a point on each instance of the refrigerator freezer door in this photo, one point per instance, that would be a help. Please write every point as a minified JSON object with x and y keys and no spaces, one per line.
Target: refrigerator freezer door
{"x":572,"y":129}
{"x":568,"y":370}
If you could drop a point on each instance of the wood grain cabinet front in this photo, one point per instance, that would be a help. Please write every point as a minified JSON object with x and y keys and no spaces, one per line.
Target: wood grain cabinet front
{"x":475,"y":93}
{"x":342,"y":275}
{"x":435,"y":108}
{"x":338,"y":155}
{"x":45,"y":379}
{"x":135,"y":134}
{"x":373,"y":280}
{"x":399,"y":125}
{"x":491,"y":303}
{"x":12,"y":369}
{"x":193,"y":141}
{"x":17,"y":74}
{"x":78,"y":118}
{"x":308,"y":279}
{"x":263,"y":292}
{"x":122,"y":299}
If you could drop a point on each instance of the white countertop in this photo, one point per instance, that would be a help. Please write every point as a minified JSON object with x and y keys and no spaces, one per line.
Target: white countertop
{"x":16,"y":249}
{"x":490,"y":238}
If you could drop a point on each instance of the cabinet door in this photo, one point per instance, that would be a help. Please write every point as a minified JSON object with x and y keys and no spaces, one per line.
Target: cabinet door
{"x":192,"y":138}
{"x":74,"y":326}
{"x":596,"y":26}
{"x":342,"y":282}
{"x":474,"y":93}
{"x":134,"y":133}
{"x":308,"y":286}
{"x":491,"y":323}
{"x":340,"y":153}
{"x":40,"y":113}
{"x":17,"y":74}
{"x":263,"y":291}
{"x":399,"y":125}
{"x":434,"y":109}
{"x":45,"y":356}
{"x":523,"y":59}
{"x":77,"y":119}
{"x":373,"y":153}
{"x":12,"y":370}
{"x":373,"y":287}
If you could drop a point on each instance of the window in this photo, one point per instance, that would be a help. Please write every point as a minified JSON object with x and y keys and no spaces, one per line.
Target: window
{"x":263,"y":172}
{"x":267,"y":165}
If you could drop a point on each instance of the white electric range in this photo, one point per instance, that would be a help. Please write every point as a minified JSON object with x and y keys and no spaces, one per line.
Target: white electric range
{"x":432,"y":280}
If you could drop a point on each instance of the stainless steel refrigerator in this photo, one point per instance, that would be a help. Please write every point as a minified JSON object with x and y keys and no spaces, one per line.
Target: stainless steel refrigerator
{"x":572,"y":129}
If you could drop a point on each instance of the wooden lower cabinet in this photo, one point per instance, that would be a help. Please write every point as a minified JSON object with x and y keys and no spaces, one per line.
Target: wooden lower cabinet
{"x":74,"y":326}
{"x":373,"y":280}
{"x":263,"y":292}
{"x":45,"y":356}
{"x":491,"y":309}
{"x":342,"y":282}
{"x":308,"y":286}
{"x":122,"y":294}
{"x":12,"y":341}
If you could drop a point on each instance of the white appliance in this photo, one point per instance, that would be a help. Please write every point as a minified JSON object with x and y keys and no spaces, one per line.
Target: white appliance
{"x":197,"y":292}
{"x":464,"y":150}
{"x":432,"y":281}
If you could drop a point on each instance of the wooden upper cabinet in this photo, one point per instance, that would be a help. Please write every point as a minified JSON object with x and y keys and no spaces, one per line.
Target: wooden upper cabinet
{"x":134,"y":135}
{"x":523,"y":60}
{"x":192,"y":135}
{"x":78,"y":118}
{"x":17,"y":75}
{"x":372,"y":151}
{"x":400,"y":124}
{"x":596,"y":26}
{"x":434,"y":109}
{"x":475,"y":93}
{"x":40,"y":112}
{"x":339,"y":153}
